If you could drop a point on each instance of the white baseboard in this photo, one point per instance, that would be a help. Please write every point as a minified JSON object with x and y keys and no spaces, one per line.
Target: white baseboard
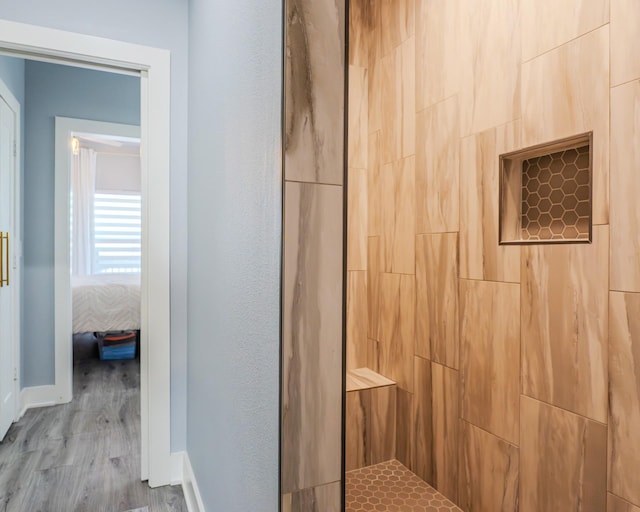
{"x":38,"y":396}
{"x":177,"y":467}
{"x":190,"y":487}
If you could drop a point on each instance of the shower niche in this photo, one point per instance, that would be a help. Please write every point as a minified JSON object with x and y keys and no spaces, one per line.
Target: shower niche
{"x":545,"y":193}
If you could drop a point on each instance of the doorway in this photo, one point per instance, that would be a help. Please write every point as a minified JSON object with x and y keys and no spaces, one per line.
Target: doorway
{"x":94,"y":319}
{"x":152,"y":65}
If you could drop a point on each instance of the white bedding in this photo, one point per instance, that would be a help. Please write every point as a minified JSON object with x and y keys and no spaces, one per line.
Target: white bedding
{"x":105,"y":302}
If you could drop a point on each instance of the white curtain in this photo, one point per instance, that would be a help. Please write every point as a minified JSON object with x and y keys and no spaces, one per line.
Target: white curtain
{"x":83,"y":184}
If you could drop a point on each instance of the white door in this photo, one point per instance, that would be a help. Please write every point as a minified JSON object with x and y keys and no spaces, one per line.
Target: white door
{"x":7,"y":220}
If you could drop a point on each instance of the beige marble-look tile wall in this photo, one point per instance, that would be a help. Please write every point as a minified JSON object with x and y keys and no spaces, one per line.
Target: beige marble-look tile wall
{"x":624,"y":395}
{"x":370,"y":426}
{"x":438,"y":45}
{"x":489,"y":356}
{"x":397,"y":209}
{"x":580,"y":105}
{"x":625,"y":186}
{"x":480,"y":255}
{"x":314,"y":91}
{"x":575,"y":480}
{"x":324,"y":498}
{"x":445,"y":409}
{"x":624,"y":308}
{"x":422,"y":453}
{"x":489,"y":64}
{"x":405,"y":431}
{"x":512,"y":344}
{"x":438,"y":167}
{"x":437,"y":326}
{"x":625,"y":43}
{"x":391,"y":183}
{"x":488,"y":471}
{"x":357,"y":319}
{"x":615,"y":504}
{"x":563,"y":21}
{"x":312,"y":336}
{"x":396,"y":331}
{"x":357,"y":451}
{"x":313,"y":266}
{"x":564,"y":328}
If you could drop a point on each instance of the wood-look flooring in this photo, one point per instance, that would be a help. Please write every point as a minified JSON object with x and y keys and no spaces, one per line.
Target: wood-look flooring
{"x":85,"y":455}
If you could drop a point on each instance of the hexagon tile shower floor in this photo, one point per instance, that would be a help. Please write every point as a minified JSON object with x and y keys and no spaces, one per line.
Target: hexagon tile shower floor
{"x":391,"y":487}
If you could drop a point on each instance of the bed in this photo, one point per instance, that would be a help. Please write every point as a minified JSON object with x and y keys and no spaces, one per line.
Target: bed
{"x":105,"y":302}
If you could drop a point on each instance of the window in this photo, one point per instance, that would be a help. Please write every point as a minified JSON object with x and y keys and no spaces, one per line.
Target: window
{"x":118,"y":229}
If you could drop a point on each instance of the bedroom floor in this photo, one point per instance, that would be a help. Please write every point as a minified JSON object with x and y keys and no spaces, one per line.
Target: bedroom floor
{"x":85,"y":455}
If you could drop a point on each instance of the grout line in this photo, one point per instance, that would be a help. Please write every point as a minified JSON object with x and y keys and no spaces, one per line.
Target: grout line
{"x":573,"y":39}
{"x":626,"y":501}
{"x":431,"y":105}
{"x":394,"y":273}
{"x":549,"y":404}
{"x":341,"y":185}
{"x":487,"y":280}
{"x":438,"y":233}
{"x":621,"y":84}
{"x":609,"y":267}
{"x":446,"y":366}
{"x":488,"y":432}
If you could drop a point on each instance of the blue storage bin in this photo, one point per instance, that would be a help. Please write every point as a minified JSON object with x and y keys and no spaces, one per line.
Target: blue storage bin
{"x":118,"y":349}
{"x":123,"y":351}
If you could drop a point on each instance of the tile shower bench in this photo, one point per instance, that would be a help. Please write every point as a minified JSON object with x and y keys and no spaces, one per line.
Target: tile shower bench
{"x":370,"y":418}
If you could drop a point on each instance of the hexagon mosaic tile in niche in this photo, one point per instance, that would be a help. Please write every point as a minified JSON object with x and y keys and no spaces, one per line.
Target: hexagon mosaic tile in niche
{"x":556,"y":196}
{"x":391,"y":487}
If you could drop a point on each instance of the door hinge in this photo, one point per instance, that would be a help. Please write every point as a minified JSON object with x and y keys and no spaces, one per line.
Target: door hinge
{"x":15,"y":148}
{"x":15,"y":374}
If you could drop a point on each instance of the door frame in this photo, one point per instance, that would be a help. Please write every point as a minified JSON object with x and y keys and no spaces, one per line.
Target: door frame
{"x":16,"y":244}
{"x":152,"y":65}
{"x":65,"y":128}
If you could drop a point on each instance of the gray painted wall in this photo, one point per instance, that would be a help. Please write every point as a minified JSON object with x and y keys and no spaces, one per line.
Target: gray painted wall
{"x":12,"y":74}
{"x":53,"y":90}
{"x":234,"y":251}
{"x":162,"y":24}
